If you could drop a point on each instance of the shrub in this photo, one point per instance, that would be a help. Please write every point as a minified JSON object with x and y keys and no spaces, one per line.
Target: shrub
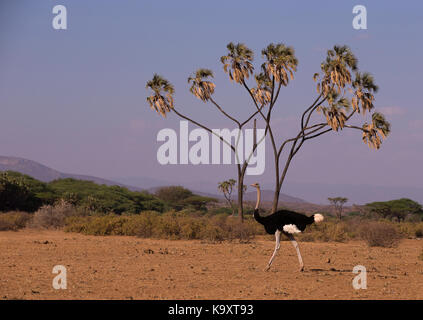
{"x":143,"y":225}
{"x":14,"y":220}
{"x":171,"y":225}
{"x":192,"y":228}
{"x":53,"y":216}
{"x":234,"y":229}
{"x":213,"y":233}
{"x":99,"y":226}
{"x":197,"y":225}
{"x":379,"y":234}
{"x":338,"y":231}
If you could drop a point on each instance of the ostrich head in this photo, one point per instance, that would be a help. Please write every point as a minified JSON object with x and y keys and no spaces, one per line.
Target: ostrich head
{"x":255,"y":185}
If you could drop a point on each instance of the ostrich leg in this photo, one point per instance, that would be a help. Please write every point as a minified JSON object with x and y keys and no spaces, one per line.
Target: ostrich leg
{"x":277,"y":246}
{"x":295,"y":244}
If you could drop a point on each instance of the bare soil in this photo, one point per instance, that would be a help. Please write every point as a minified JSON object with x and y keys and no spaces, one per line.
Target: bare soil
{"x":120,"y":267}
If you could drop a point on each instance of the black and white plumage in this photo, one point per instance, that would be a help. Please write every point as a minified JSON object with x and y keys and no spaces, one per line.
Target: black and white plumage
{"x":286,"y":222}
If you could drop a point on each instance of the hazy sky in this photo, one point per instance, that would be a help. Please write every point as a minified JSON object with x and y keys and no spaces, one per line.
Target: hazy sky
{"x":74,"y":99}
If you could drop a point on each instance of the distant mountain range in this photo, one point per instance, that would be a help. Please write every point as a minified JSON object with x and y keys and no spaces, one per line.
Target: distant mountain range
{"x":266,"y":195}
{"x":46,"y":174}
{"x":313,"y":193}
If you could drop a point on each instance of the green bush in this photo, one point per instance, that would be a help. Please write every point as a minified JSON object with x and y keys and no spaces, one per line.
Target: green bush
{"x":104,"y":198}
{"x":22,"y":192}
{"x":15,"y":194}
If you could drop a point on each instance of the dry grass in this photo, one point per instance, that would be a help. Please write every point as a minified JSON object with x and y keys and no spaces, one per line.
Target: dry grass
{"x":215,"y":228}
{"x":170,"y":225}
{"x":13,"y":220}
{"x":378,"y":234}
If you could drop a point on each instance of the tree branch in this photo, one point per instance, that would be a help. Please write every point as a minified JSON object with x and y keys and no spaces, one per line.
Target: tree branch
{"x":221,"y":110}
{"x":204,"y":127}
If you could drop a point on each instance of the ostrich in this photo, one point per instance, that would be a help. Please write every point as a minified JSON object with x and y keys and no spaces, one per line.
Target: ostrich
{"x":286,"y":222}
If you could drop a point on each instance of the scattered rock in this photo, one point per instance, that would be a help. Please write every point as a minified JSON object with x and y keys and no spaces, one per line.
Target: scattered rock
{"x":42,"y":242}
{"x":163,"y":251}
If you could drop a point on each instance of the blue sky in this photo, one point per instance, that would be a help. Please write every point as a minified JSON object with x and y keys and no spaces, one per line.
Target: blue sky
{"x":75,"y":99}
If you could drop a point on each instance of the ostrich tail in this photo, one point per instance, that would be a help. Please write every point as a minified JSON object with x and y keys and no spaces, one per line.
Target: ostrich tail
{"x":318,"y":218}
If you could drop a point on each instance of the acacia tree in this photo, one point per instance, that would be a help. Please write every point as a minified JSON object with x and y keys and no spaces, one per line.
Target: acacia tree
{"x":398,"y":209}
{"x":15,"y":194}
{"x":226,"y":187}
{"x":342,"y":92}
{"x":338,"y":203}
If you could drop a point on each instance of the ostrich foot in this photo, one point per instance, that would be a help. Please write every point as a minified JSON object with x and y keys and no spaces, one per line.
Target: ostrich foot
{"x":301,"y":268}
{"x":267,"y":268}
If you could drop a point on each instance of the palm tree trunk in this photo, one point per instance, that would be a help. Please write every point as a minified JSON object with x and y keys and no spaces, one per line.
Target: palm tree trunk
{"x":240,"y":203}
{"x":276,"y":198}
{"x":277,"y":186}
{"x":240,"y":194}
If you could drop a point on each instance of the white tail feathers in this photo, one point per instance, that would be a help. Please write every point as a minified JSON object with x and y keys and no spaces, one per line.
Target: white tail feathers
{"x":291,"y":228}
{"x":318,"y":218}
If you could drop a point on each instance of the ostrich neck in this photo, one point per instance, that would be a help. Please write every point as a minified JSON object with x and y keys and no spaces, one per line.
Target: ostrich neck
{"x":258,"y":199}
{"x":256,"y":210}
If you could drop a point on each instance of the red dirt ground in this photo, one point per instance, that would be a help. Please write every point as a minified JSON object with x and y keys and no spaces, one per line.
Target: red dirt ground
{"x":118,"y":267}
